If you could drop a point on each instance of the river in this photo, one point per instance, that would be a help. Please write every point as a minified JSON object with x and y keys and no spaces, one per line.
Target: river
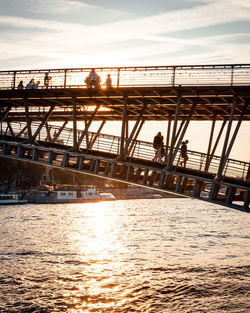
{"x":154,"y":255}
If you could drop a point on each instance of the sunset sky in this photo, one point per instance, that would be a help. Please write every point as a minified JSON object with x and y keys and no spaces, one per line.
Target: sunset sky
{"x":74,"y":33}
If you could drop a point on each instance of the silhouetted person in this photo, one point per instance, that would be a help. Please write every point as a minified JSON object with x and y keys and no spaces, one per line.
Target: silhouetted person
{"x":158,"y":146}
{"x":36,"y":84}
{"x":47,"y":78}
{"x":30,"y":85}
{"x":184,"y":155}
{"x":93,"y":80}
{"x":108,"y":82}
{"x":20,"y":85}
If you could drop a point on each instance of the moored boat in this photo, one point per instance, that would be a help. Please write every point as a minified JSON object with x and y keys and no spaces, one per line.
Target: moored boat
{"x":66,"y":194}
{"x":11,"y":198}
{"x":107,"y":196}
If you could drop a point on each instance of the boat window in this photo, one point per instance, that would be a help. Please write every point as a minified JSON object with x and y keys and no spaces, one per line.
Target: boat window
{"x":63,"y":193}
{"x":71,"y":194}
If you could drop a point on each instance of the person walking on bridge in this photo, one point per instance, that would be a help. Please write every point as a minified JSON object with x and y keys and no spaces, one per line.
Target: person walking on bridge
{"x":184,"y":155}
{"x":158,"y":146}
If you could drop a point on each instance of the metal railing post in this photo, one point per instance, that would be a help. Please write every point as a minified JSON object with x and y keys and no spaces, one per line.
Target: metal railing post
{"x":14,"y":80}
{"x":173,"y":77}
{"x":65,"y":78}
{"x":232,"y":75}
{"x":118,"y":77}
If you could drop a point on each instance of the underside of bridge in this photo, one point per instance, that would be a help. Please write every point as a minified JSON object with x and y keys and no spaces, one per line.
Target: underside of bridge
{"x":34,"y":129}
{"x":210,"y":103}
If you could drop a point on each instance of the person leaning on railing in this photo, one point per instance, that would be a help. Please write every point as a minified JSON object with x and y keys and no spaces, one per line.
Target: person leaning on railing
{"x":92,"y":80}
{"x":108,"y":82}
{"x":20,"y":85}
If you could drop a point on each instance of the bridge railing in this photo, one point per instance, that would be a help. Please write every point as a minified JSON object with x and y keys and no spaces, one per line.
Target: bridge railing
{"x":188,"y":75}
{"x":138,"y":149}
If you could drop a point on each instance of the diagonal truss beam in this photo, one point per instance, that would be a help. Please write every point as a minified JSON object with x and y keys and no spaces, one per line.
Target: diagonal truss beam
{"x":93,"y":140}
{"x":135,"y":138}
{"x":59,"y":132}
{"x":229,"y":148}
{"x":177,"y":110}
{"x":131,"y":136}
{"x":184,"y":131}
{"x":86,"y":128}
{"x":210,"y":157}
{"x":210,"y":143}
{"x":5,"y":114}
{"x":43,"y":122}
{"x":10,"y":129}
{"x":229,"y":126}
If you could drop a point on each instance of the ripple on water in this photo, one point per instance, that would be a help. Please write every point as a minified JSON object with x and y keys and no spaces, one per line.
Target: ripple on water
{"x":127,"y":256}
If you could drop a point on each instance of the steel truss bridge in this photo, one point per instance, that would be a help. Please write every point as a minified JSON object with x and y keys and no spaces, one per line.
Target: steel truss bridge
{"x":42,"y":126}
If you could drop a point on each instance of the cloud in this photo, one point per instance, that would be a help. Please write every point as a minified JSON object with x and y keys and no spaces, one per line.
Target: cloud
{"x":212,"y":13}
{"x":75,"y":43}
{"x":56,"y":6}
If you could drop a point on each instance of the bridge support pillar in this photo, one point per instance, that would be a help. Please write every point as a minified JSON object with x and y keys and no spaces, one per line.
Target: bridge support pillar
{"x":230,"y":195}
{"x":145,"y":177}
{"x":34,"y":154}
{"x":214,"y":190}
{"x":183,"y":185}
{"x":65,"y":161}
{"x":197,"y":188}
{"x":178,"y":183}
{"x":161,"y":180}
{"x":19,"y":151}
{"x":247,"y":201}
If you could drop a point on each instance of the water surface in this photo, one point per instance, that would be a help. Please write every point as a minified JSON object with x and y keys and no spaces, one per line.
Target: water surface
{"x":154,"y":255}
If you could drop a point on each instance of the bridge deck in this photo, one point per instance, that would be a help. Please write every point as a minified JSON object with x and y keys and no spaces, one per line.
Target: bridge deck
{"x":161,"y":102}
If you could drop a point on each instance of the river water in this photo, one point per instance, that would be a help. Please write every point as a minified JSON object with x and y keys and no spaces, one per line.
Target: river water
{"x":154,"y":255}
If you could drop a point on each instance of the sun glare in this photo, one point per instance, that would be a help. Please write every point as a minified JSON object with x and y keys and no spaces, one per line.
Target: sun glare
{"x":96,"y":237}
{"x":100,"y":230}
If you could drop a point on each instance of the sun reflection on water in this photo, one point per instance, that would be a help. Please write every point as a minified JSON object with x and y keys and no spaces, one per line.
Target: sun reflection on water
{"x":98,"y":231}
{"x":96,"y":238}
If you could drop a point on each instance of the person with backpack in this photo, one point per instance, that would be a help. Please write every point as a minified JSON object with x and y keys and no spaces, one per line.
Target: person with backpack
{"x":158,"y":146}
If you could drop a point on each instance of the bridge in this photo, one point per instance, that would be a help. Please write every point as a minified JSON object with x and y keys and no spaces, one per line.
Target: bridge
{"x":42,"y":125}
